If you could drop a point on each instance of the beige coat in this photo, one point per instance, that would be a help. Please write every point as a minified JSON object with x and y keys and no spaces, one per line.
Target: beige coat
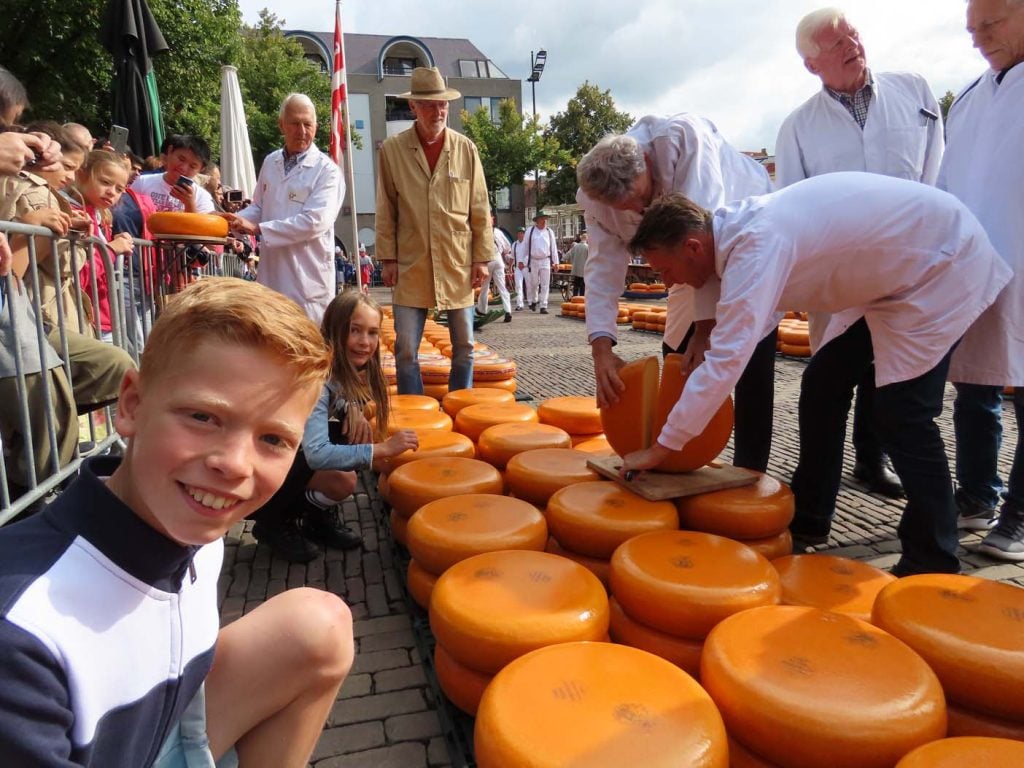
{"x":435,"y":226}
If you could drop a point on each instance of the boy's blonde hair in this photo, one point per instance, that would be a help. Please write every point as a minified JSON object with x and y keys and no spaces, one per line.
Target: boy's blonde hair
{"x":241,"y":313}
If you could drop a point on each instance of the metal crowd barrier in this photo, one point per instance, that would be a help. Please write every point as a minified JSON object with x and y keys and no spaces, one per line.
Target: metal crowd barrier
{"x":138,"y":286}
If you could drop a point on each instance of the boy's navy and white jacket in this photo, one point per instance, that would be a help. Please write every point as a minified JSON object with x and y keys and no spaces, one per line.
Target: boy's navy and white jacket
{"x":107,"y":629}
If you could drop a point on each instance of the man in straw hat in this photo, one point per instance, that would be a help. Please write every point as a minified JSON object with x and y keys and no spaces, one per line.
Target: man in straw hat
{"x":433,"y":229}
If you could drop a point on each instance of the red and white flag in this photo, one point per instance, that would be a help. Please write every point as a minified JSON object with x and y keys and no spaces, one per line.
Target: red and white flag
{"x":338,"y":94}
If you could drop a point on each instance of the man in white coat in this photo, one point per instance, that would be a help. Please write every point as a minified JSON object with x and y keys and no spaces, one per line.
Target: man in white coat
{"x":496,"y":268}
{"x":880,"y":122}
{"x":522,"y":274}
{"x":298,"y":195}
{"x":541,"y":258}
{"x":984,"y":167}
{"x":619,"y":178}
{"x":904,"y":269}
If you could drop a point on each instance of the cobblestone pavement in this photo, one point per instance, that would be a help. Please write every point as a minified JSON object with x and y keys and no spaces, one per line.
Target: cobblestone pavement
{"x":387,"y":714}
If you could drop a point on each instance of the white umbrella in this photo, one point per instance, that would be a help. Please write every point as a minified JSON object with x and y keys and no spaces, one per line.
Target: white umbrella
{"x":236,"y":167}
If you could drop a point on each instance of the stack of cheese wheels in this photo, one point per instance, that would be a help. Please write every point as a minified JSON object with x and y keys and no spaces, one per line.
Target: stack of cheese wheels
{"x":831,"y":583}
{"x":758,"y":515}
{"x":969,"y":631}
{"x":492,"y":608}
{"x":188,"y":224}
{"x":419,"y":421}
{"x":535,"y":475}
{"x":579,"y":416}
{"x":474,"y":419}
{"x":403,"y":403}
{"x":455,"y":401}
{"x":597,"y":705}
{"x":495,"y":373}
{"x":412,"y":485}
{"x":498,"y":444}
{"x":799,"y":686}
{"x":446,"y":531}
{"x":591,"y":519}
{"x":672,"y":587}
{"x":966,"y":752}
{"x":634,"y":422}
{"x":794,"y":338}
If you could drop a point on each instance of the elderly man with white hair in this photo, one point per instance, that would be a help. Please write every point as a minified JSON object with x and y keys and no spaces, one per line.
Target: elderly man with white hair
{"x":619,"y":178}
{"x":984,"y":167}
{"x":298,"y":195}
{"x":880,"y":122}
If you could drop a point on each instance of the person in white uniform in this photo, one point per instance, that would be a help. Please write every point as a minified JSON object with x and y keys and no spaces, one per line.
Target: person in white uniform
{"x":297,"y":199}
{"x":522,"y":273}
{"x":984,"y":167}
{"x":884,"y":122}
{"x":903,"y":268}
{"x":541,"y":257}
{"x":618,"y":180}
{"x":496,"y":268}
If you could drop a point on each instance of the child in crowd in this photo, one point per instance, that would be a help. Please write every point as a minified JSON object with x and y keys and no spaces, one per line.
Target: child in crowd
{"x":337,"y":440}
{"x":100,"y":183}
{"x":130,"y":215}
{"x":108,"y":597}
{"x":176,"y":189}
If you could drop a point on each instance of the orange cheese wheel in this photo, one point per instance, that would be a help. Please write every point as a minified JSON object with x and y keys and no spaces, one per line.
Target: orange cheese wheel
{"x":501,"y":442}
{"x":795,"y":335}
{"x":598,"y":567}
{"x":576,"y":415}
{"x":420,"y":583}
{"x":969,"y":631}
{"x":594,"y":518}
{"x":451,"y":529}
{"x":627,"y":424}
{"x":435,"y":370}
{"x":741,"y":757}
{"x":577,"y":439}
{"x":831,"y":583}
{"x":771,"y":547}
{"x":414,"y":484}
{"x":749,"y":512}
{"x":509,"y":385}
{"x":492,"y":608}
{"x":709,"y":443}
{"x":463,"y":686}
{"x":435,"y":445}
{"x":795,"y":350}
{"x":684,"y":582}
{"x":494,"y":369}
{"x":681,"y":651}
{"x":382,"y":487}
{"x":412,"y":403}
{"x":398,"y":527}
{"x":455,"y":401}
{"x":535,"y":475}
{"x":578,"y":300}
{"x":190,"y":224}
{"x":474,"y":419}
{"x":597,"y":705}
{"x":966,"y":752}
{"x":964,"y":722}
{"x":805,"y":687}
{"x":435,"y":391}
{"x":596,"y":446}
{"x":419,"y":421}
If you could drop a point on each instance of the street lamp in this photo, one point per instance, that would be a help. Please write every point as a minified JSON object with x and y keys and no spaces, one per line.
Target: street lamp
{"x":537,"y":62}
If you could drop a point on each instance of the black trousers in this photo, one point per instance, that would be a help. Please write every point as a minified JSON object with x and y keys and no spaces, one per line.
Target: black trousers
{"x":754,"y":404}
{"x":905,"y":414}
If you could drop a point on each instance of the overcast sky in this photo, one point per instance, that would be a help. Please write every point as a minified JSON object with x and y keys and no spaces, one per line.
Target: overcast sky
{"x":733,"y":61}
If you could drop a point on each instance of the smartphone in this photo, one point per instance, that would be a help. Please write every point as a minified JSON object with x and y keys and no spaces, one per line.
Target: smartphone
{"x":118,"y":138}
{"x":233,"y":196}
{"x":184,"y":182}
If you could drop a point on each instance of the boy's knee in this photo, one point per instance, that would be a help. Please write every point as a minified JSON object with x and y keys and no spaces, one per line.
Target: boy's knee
{"x":323,"y":625}
{"x":342,"y":485}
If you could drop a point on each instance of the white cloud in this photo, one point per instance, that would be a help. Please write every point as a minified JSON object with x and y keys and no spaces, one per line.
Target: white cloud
{"x":733,"y":61}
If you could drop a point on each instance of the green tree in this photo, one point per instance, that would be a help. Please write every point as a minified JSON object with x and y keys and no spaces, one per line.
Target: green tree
{"x":945,"y":103}
{"x":511,"y":148}
{"x":588,"y":116}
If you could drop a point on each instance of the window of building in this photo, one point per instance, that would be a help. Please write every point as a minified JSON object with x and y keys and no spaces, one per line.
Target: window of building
{"x":395,"y":65}
{"x":397,"y":109}
{"x":318,"y":61}
{"x":503,"y":199}
{"x":471,"y":68}
{"x":493,"y":105}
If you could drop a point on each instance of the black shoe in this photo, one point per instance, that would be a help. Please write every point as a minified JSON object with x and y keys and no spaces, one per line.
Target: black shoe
{"x":533,"y":307}
{"x":324,"y":526}
{"x":519,"y":309}
{"x":543,"y":310}
{"x":508,"y":317}
{"x":804,"y":543}
{"x":879,"y":478}
{"x":286,"y":541}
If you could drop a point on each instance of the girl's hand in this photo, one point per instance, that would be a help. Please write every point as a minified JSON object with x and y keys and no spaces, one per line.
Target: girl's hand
{"x":53,"y":219}
{"x":80,"y":221}
{"x":121,"y":244}
{"x":357,"y":428}
{"x":403,"y":440}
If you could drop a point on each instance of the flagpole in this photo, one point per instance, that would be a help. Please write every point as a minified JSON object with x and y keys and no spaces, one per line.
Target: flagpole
{"x":339,"y":81}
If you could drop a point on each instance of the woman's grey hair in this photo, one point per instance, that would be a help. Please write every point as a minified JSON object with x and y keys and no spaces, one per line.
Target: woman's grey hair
{"x":608,"y":171}
{"x":299,"y":99}
{"x":810,"y":25}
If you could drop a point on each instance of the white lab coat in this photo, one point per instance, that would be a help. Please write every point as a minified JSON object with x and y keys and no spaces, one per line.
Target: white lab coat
{"x":984,"y":167}
{"x":910,"y":259}
{"x":687,"y":155}
{"x":296,"y":214}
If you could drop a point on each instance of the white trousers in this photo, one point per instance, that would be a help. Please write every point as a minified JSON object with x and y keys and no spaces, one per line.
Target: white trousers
{"x":497,"y":269}
{"x":522,"y":285}
{"x":540,"y":282}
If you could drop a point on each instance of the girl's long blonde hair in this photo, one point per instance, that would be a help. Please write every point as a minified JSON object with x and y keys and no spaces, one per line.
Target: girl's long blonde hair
{"x":351,"y":386}
{"x":94,"y":160}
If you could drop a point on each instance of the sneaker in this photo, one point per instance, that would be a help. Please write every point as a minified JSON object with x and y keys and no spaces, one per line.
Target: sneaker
{"x":508,"y":317}
{"x":543,"y":310}
{"x":286,"y":541}
{"x":324,"y":526}
{"x":879,"y":477}
{"x":973,"y":515}
{"x":1006,"y":540}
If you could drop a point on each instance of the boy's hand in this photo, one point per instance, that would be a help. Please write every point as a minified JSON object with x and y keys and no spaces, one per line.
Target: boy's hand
{"x":53,"y":219}
{"x":186,"y":195}
{"x":403,"y":440}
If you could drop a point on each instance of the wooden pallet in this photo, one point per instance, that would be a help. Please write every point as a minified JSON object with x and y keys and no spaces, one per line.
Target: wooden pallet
{"x":658,"y":486}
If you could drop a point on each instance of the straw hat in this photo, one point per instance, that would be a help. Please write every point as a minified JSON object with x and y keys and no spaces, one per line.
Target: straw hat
{"x":428,"y":85}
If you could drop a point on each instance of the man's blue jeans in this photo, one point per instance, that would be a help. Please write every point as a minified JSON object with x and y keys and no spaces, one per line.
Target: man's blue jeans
{"x":977,"y":422}
{"x":408,"y":334}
